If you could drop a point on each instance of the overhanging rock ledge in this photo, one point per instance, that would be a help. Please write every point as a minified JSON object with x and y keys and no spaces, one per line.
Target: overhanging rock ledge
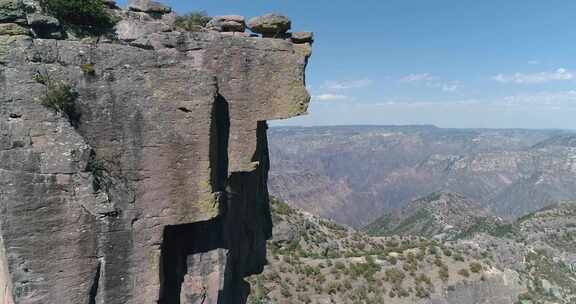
{"x":157,"y":193}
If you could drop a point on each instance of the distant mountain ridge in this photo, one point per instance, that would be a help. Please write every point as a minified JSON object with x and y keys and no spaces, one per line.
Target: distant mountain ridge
{"x":355,"y":174}
{"x":440,"y":215}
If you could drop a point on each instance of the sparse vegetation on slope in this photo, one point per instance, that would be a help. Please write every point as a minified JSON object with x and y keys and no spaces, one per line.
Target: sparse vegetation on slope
{"x":83,"y":16}
{"x":193,"y":21}
{"x":525,"y":261}
{"x":313,"y":259}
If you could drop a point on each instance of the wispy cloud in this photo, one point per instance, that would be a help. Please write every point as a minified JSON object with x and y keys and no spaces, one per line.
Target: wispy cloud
{"x":417,"y":77}
{"x":330,"y":97}
{"x":432,"y":81}
{"x":534,"y":62}
{"x":450,"y":86}
{"x":560,"y":98}
{"x":427,"y":103}
{"x":535,"y":78}
{"x":348,"y":84}
{"x":544,"y":99}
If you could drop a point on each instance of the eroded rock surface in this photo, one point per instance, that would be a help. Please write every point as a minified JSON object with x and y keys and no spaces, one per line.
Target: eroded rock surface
{"x":158,"y":192}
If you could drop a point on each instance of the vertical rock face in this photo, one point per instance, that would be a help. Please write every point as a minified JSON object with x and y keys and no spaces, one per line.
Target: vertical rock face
{"x":157,"y":192}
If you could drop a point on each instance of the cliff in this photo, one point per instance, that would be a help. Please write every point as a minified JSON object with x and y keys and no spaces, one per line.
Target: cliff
{"x":150,"y":184}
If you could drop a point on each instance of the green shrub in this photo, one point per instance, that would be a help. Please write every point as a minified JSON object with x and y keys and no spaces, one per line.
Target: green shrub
{"x":464,"y":273}
{"x":285,"y":291}
{"x":422,"y":292}
{"x":193,"y":21}
{"x":88,"y":17}
{"x":60,"y":97}
{"x":443,"y":273}
{"x":339,"y":265}
{"x":395,"y":276}
{"x":96,"y":167}
{"x":458,"y":257}
{"x":423,"y":279}
{"x":88,"y":69}
{"x":475,"y":267}
{"x":280,"y":207}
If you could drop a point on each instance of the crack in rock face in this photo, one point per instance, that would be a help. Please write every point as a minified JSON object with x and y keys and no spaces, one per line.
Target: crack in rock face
{"x":158,"y":193}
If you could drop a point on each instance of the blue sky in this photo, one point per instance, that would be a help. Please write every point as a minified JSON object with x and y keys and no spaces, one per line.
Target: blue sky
{"x":452,"y":63}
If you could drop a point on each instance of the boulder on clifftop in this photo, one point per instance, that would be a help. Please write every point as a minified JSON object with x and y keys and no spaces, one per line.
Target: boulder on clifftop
{"x":270,"y":25}
{"x":228,"y":23}
{"x":302,"y":37}
{"x":148,"y":6}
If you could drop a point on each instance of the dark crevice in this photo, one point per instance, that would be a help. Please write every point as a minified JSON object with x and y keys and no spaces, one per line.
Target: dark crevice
{"x":111,"y":214}
{"x":220,"y":133}
{"x":179,"y":242}
{"x":94,"y":288}
{"x":15,"y":116}
{"x":185,"y":110}
{"x":262,"y":156}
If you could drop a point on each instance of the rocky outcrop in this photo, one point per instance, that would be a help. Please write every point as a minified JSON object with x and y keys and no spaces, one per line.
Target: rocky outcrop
{"x":270,"y":25}
{"x":150,"y":186}
{"x":148,"y":6}
{"x":229,"y":23}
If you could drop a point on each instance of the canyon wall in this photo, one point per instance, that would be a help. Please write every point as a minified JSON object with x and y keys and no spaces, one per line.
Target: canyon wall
{"x":153,"y":187}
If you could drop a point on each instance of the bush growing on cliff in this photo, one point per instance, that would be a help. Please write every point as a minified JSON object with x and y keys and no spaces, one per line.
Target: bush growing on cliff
{"x":193,"y":21}
{"x":59,"y":96}
{"x":97,"y":168}
{"x":87,"y":17}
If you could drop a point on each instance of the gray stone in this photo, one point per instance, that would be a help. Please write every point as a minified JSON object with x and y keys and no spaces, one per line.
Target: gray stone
{"x":44,"y":26}
{"x":136,"y":25}
{"x":12,"y":11}
{"x":13,"y":29}
{"x":229,"y":23}
{"x":40,"y":20}
{"x":302,"y":37}
{"x":270,"y":25}
{"x":110,"y":3}
{"x":148,"y":6}
{"x":284,"y":233}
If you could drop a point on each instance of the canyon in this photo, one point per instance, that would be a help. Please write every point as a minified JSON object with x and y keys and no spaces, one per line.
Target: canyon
{"x":355,"y":174}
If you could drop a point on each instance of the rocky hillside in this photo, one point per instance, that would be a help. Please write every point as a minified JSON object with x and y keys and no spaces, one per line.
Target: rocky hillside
{"x":440,"y":215}
{"x":355,"y":174}
{"x":312,"y":260}
{"x":133,"y":151}
{"x":538,"y":246}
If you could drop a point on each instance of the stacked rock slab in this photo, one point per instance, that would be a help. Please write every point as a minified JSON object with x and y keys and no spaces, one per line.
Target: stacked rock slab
{"x":13,"y":18}
{"x":228,"y":23}
{"x":270,"y":25}
{"x":159,"y":194}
